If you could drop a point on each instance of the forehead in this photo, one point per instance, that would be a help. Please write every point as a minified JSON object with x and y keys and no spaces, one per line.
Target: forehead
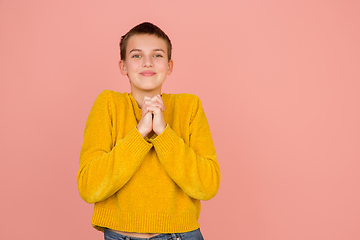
{"x":145,"y":42}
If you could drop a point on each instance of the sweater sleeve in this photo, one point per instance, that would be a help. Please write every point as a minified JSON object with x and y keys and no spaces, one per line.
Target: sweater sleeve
{"x":106,"y":166}
{"x":193,"y":166}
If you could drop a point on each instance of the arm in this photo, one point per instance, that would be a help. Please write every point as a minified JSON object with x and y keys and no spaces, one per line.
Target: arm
{"x":193,"y":165}
{"x":105,"y":165}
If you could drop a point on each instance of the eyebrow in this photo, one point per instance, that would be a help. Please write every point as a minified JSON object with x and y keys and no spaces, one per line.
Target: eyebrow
{"x":135,"y":50}
{"x":139,"y":50}
{"x":159,"y":49}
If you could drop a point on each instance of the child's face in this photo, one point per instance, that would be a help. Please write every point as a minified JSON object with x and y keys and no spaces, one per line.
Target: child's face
{"x":146,"y":63}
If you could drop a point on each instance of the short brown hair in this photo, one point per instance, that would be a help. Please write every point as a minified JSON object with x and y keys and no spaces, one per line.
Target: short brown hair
{"x":144,"y":28}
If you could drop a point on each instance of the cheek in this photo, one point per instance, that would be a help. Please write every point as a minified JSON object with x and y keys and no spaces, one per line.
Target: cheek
{"x":133,"y":65}
{"x":162,"y":65}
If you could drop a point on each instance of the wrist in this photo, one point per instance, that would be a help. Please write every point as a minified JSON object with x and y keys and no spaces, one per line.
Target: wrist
{"x":160,"y":130}
{"x":141,"y":131}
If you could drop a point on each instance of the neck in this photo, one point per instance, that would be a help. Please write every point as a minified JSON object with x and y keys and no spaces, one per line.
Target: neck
{"x":139,"y":96}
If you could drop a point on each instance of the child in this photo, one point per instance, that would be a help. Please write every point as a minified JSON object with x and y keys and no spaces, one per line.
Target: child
{"x":148,"y":157}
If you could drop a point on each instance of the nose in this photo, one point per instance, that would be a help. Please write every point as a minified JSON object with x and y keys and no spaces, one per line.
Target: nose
{"x":147,"y":61}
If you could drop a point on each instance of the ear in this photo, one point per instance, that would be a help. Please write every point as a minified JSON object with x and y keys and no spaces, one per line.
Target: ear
{"x":170,"y":67}
{"x":122,"y":67}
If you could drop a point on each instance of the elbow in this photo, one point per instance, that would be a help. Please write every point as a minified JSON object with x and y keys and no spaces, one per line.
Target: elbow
{"x":205,"y":194}
{"x":86,"y":192}
{"x":208,"y":190}
{"x":87,"y":196}
{"x":213,"y":186}
{"x":210,"y":193}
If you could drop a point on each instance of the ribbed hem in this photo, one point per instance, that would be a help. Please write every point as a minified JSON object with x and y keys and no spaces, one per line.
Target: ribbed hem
{"x":144,"y":222}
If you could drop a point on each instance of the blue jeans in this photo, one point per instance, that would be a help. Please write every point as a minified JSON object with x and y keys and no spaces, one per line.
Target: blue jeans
{"x":193,"y":235}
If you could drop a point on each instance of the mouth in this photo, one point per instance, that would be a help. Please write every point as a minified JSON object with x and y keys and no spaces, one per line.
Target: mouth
{"x":147,"y":73}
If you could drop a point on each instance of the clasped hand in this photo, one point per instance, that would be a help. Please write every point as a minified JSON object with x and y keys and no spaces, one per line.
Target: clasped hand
{"x":152,"y":118}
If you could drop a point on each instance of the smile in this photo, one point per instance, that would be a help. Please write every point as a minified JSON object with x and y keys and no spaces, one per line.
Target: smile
{"x":148,"y":73}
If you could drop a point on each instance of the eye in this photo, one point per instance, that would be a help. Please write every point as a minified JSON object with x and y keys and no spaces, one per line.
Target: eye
{"x":136,"y":56}
{"x":158,"y":55}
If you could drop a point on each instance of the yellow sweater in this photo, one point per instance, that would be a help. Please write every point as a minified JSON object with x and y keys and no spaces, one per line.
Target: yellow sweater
{"x":151,"y":185}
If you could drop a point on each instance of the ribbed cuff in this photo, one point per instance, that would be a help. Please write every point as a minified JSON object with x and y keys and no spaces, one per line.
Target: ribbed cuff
{"x":136,"y":144}
{"x":165,"y":141}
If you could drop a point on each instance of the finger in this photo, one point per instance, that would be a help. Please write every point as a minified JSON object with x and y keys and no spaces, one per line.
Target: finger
{"x":146,"y":99}
{"x":154,"y":109}
{"x":158,"y":98}
{"x":144,"y":110}
{"x":158,"y":105}
{"x":146,"y":102}
{"x":160,"y":102}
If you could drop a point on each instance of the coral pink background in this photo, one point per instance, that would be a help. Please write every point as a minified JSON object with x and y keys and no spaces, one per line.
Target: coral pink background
{"x":280,"y":83}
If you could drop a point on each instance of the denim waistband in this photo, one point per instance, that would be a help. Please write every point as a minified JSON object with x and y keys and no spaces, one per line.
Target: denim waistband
{"x":192,"y":235}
